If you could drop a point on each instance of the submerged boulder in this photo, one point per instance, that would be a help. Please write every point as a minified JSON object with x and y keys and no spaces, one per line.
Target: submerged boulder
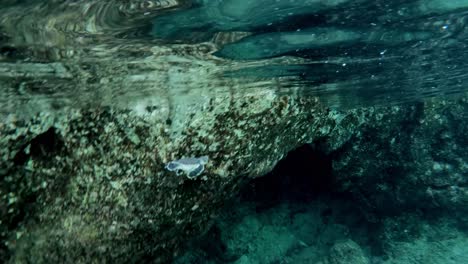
{"x":91,"y":117}
{"x":92,"y":184}
{"x":407,"y":158}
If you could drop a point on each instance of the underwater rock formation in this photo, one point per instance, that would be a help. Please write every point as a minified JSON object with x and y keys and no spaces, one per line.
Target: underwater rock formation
{"x":94,"y":181}
{"x":347,"y":252}
{"x":90,"y":117}
{"x":409,"y":157}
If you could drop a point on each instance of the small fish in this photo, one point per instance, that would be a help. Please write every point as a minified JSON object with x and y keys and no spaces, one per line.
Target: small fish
{"x":192,"y":167}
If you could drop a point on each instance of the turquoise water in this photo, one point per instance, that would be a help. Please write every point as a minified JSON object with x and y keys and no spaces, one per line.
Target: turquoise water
{"x":404,"y":50}
{"x":234,"y":131}
{"x":350,"y":53}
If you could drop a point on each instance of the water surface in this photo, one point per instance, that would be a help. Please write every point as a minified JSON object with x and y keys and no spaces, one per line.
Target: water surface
{"x":56,"y":54}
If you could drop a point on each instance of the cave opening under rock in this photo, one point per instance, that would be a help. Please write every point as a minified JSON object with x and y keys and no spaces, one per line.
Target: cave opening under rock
{"x":296,"y":199}
{"x":301,"y":176}
{"x":298,"y":213}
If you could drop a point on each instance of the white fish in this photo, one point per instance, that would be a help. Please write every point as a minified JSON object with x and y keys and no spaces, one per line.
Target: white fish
{"x":192,"y":167}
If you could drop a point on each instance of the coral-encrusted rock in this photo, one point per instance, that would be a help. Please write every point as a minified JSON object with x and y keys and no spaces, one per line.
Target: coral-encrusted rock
{"x":347,"y":251}
{"x":84,"y":185}
{"x":407,"y":157}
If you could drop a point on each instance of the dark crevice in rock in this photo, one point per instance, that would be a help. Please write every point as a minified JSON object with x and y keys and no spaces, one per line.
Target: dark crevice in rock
{"x":9,"y":53}
{"x":302,"y":175}
{"x":21,"y":157}
{"x":303,"y":180}
{"x":46,"y":144}
{"x":24,"y":185}
{"x":40,"y":148}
